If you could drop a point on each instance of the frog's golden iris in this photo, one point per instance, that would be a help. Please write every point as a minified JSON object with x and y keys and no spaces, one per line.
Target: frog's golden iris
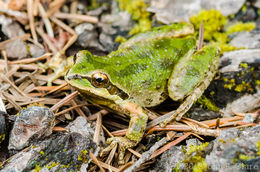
{"x":99,"y":80}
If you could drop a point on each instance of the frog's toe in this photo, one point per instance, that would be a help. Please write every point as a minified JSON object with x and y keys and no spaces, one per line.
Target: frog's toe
{"x":111,"y":143}
{"x":123,"y":143}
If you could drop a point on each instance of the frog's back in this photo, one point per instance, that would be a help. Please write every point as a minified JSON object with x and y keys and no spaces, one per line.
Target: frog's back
{"x":142,"y":68}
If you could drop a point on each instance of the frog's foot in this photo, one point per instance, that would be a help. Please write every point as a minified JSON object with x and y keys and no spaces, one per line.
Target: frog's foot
{"x":123,"y":143}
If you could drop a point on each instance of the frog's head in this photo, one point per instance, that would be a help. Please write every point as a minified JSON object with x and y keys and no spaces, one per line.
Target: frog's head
{"x":90,"y":76}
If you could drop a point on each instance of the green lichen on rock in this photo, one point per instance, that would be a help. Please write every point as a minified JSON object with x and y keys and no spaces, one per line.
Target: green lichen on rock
{"x":207,"y":103}
{"x":213,"y":23}
{"x":240,"y":27}
{"x":195,"y":158}
{"x":137,"y":8}
{"x":120,"y":39}
{"x":2,"y":137}
{"x":258,"y":147}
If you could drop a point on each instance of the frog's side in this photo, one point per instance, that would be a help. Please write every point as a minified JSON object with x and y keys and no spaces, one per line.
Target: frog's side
{"x":142,"y":73}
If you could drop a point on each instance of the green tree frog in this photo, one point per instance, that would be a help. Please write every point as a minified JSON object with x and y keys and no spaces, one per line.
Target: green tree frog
{"x":143,"y":72}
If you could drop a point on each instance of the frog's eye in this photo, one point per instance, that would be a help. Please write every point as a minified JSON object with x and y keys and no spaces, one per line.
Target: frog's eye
{"x":99,"y":80}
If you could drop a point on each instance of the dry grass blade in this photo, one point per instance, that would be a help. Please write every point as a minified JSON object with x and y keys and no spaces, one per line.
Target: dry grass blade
{"x":94,"y":116}
{"x":85,"y":18}
{"x":13,"y":85}
{"x":78,"y":110}
{"x":57,"y":88}
{"x":201,"y":36}
{"x":69,"y":109}
{"x":93,"y":157}
{"x":54,"y":6}
{"x":96,"y":137}
{"x":60,"y":129}
{"x":46,"y":21}
{"x":134,"y":152}
{"x":169,"y":145}
{"x":9,"y":99}
{"x":31,"y":20}
{"x":64,"y":100}
{"x":46,"y":40}
{"x":196,"y":122}
{"x":14,"y":13}
{"x":31,"y":60}
{"x":6,"y":60}
{"x":124,"y":167}
{"x":119,"y":132}
{"x":146,"y":155}
{"x":106,"y":130}
{"x":111,"y":155}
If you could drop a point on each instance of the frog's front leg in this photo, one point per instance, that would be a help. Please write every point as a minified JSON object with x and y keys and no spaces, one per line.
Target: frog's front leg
{"x":134,"y":133}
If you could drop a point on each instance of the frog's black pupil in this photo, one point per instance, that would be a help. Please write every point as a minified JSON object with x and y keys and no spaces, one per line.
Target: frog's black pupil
{"x":99,"y":80}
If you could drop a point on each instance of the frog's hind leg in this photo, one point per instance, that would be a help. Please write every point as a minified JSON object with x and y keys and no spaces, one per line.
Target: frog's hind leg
{"x":204,"y":61}
{"x":188,"y":102}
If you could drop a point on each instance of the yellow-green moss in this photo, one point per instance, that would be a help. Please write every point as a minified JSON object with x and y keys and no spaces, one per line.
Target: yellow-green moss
{"x":120,"y":39}
{"x":207,"y":103}
{"x":137,"y":8}
{"x":244,"y":86}
{"x":258,"y":147}
{"x":37,"y":168}
{"x":257,"y":82}
{"x":83,"y":155}
{"x":239,"y":27}
{"x":2,"y":137}
{"x":41,"y":152}
{"x":213,"y":23}
{"x":194,"y":148}
{"x":224,"y":47}
{"x":246,"y":157}
{"x":194,"y":156}
{"x":53,"y":164}
{"x":229,"y":83}
{"x":243,"y":65}
{"x":200,"y":166}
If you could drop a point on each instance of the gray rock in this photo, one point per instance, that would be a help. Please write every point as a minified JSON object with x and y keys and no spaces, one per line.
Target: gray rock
{"x":246,"y":40}
{"x":30,"y":125}
{"x":88,"y":36}
{"x":230,"y":61}
{"x":245,"y":103}
{"x":16,"y":49}
{"x":257,"y":3}
{"x":35,"y":51}
{"x":177,"y":157}
{"x":235,"y":150}
{"x":122,"y":20}
{"x":226,"y":7}
{"x":10,"y":28}
{"x":111,"y":25}
{"x":168,"y":11}
{"x":249,"y":117}
{"x":84,"y":27}
{"x":81,"y":126}
{"x":59,"y":152}
{"x":107,"y":41}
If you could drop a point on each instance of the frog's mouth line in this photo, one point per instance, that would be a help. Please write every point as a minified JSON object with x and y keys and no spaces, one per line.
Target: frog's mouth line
{"x":112,"y":89}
